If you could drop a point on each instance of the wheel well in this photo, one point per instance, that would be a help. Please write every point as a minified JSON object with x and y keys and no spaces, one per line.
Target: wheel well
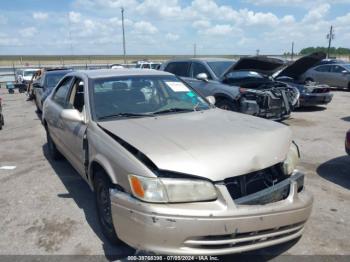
{"x":96,"y":168}
{"x":221,"y":96}
{"x":309,"y":79}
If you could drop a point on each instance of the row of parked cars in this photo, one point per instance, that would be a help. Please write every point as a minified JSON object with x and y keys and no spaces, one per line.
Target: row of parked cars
{"x":171,"y":172}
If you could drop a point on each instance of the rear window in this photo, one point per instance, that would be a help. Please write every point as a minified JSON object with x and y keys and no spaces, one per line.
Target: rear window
{"x":178,"y":68}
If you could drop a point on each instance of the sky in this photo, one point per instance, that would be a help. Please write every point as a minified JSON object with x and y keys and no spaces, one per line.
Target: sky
{"x":74,"y":27}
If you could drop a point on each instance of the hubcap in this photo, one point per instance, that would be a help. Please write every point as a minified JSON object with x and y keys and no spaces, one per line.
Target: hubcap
{"x":104,"y":207}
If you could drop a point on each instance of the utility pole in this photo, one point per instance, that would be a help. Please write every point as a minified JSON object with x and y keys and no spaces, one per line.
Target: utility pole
{"x":330,"y":37}
{"x":124,"y":52}
{"x":257,"y":52}
{"x":292,"y":56}
{"x":194,"y":50}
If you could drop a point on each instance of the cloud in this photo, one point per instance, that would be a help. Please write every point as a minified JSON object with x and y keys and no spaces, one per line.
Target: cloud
{"x":40,"y":15}
{"x":200,"y":24}
{"x":145,"y":27}
{"x":74,"y":17}
{"x":3,"y":20}
{"x":316,"y":13}
{"x":28,"y":32}
{"x":218,"y":30}
{"x":171,"y":36}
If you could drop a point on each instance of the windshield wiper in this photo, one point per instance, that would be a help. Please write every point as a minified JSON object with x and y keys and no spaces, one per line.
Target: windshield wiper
{"x":172,"y":110}
{"x":124,"y":115}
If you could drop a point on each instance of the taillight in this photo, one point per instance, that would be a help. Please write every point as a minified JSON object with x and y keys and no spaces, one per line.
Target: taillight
{"x":242,"y":90}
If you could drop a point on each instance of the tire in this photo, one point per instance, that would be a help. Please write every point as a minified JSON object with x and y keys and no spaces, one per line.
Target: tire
{"x":309,"y":79}
{"x":227,"y":104}
{"x":349,"y":86}
{"x":37,"y":107}
{"x":53,"y":151}
{"x":102,"y":185}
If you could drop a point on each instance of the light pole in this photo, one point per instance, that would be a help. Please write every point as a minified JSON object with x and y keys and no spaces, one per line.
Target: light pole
{"x":124,"y":52}
{"x":330,"y":37}
{"x":292,"y":56}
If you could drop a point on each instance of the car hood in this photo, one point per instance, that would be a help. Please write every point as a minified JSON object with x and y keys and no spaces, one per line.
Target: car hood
{"x":300,"y":66}
{"x":214,"y":144}
{"x":261,"y":64}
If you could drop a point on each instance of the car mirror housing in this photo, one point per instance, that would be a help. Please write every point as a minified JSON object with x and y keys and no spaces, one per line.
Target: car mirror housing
{"x":344,"y":72}
{"x":202,"y":76}
{"x":211,"y":100}
{"x":72,"y":115}
{"x":37,"y":85}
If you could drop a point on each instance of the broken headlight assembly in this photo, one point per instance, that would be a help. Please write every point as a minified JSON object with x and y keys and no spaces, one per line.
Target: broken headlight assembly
{"x":292,"y":159}
{"x":171,"y":190}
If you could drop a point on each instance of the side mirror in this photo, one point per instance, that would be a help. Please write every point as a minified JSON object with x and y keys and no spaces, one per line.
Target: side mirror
{"x":344,"y":72}
{"x":72,"y":115}
{"x":37,"y":85}
{"x":211,"y":100}
{"x":202,"y":76}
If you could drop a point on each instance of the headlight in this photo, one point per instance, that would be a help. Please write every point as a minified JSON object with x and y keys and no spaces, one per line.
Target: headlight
{"x":171,"y":190}
{"x":292,"y":159}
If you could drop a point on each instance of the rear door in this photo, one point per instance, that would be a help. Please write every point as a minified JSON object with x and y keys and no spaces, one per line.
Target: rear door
{"x":322,"y":75}
{"x":74,"y":132}
{"x":53,"y":110}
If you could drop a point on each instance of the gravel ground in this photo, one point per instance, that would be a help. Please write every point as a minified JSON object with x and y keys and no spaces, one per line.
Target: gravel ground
{"x":46,"y":208}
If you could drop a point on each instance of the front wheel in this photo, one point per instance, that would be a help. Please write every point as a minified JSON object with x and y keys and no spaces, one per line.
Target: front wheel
{"x":102,"y":185}
{"x":227,"y":104}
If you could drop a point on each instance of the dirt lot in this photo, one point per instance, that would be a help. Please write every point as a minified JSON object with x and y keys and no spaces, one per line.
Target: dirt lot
{"x":45,"y":208}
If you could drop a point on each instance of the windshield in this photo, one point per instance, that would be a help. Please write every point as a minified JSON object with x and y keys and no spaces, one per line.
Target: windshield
{"x":139,"y":96}
{"x":29,"y":72}
{"x":219,"y":67}
{"x":53,"y":78}
{"x":347,"y":67}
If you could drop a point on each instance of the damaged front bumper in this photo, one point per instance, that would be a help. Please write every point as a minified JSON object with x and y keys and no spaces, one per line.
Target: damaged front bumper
{"x":219,"y":227}
{"x":266,"y":105}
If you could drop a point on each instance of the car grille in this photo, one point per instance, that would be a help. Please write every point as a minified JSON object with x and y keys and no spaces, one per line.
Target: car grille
{"x":238,"y":240}
{"x":261,"y":187}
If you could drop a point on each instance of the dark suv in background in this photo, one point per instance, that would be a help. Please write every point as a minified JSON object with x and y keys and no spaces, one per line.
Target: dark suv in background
{"x":45,"y":84}
{"x":244,"y":86}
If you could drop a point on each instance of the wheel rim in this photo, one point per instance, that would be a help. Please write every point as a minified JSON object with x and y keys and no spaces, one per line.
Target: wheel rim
{"x":104,"y":207}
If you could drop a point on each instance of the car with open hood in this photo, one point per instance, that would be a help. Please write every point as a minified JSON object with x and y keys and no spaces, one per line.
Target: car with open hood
{"x":311,"y":94}
{"x":238,"y":86}
{"x":171,"y":173}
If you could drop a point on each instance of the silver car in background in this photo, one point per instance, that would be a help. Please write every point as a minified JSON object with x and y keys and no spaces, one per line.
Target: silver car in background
{"x":171,"y":173}
{"x":334,"y":75}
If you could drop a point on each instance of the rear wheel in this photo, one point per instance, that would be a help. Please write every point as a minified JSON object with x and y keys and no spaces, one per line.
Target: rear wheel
{"x":227,"y":104}
{"x":102,"y":185}
{"x":54,"y":153}
{"x":1,"y":121}
{"x":309,"y":79}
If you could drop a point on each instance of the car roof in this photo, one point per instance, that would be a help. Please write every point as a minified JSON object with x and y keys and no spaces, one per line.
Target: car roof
{"x":53,"y":72}
{"x":104,"y":73}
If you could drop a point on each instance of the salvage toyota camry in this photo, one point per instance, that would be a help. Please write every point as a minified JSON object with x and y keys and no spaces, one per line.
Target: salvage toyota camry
{"x":171,"y":173}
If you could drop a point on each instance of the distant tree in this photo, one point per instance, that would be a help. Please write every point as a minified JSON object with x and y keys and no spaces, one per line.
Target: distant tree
{"x":332,"y":51}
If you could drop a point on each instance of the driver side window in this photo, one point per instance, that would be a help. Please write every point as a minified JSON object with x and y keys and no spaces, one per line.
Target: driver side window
{"x":198,"y":68}
{"x":76,"y":98}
